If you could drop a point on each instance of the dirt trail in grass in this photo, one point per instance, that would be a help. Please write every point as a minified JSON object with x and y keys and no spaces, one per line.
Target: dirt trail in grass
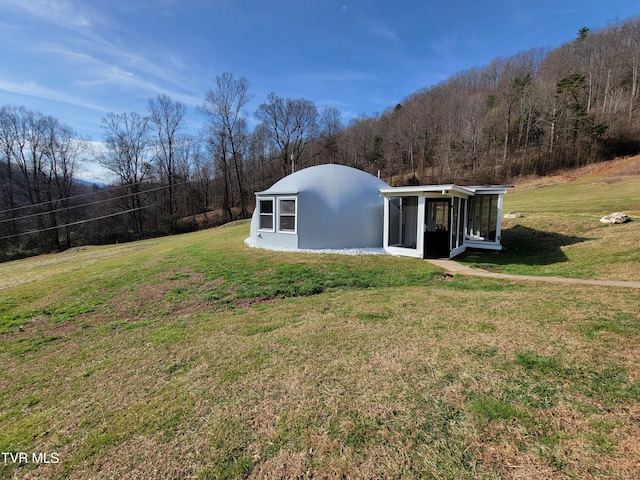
{"x":455,"y":268}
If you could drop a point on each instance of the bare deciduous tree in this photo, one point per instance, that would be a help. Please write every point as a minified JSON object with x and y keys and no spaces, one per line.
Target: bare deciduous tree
{"x":291,"y":126}
{"x":167,"y":120}
{"x":330,"y":128}
{"x":227,"y":128}
{"x":39,"y":155}
{"x":127,"y":142}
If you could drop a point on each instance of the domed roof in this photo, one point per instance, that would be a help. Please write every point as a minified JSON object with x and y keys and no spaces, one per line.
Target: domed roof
{"x":329,"y":182}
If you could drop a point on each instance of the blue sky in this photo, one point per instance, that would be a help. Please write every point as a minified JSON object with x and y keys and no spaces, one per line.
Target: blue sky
{"x":79,"y":59}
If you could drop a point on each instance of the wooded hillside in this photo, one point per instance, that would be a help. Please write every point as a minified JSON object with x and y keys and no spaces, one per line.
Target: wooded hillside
{"x":533,"y":113}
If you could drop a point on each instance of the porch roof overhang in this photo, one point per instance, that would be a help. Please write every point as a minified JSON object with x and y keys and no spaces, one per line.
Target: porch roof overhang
{"x":490,"y":189}
{"x":445,"y":190}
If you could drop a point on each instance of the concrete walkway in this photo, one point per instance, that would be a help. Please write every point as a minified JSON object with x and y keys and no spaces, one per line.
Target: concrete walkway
{"x":455,"y":268}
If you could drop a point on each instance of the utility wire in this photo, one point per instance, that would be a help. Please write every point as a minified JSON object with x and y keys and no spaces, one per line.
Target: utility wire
{"x":84,"y":195}
{"x":15,"y":219}
{"x":76,"y":223}
{"x":73,"y":197}
{"x":64,"y":209}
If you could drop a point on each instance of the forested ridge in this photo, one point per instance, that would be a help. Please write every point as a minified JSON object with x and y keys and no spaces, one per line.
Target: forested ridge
{"x":535,"y":112}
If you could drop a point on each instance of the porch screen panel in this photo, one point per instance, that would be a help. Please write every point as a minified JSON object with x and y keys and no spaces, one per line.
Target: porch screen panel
{"x":486,"y":217}
{"x":492,"y":221}
{"x":474,"y":220}
{"x":437,"y":216}
{"x":454,"y":221}
{"x":409,"y":222}
{"x":463,"y":204}
{"x":483,"y":217}
{"x":403,"y":222}
{"x":394,"y":220}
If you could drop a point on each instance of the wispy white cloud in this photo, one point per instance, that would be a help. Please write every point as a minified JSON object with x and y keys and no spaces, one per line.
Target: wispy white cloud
{"x":382,"y":30}
{"x":114,"y":77}
{"x":61,"y":12}
{"x":32,"y":89}
{"x":377,"y":27}
{"x":89,"y":58}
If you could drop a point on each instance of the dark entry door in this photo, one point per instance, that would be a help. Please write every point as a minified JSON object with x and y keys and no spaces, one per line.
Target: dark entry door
{"x":437,"y":225}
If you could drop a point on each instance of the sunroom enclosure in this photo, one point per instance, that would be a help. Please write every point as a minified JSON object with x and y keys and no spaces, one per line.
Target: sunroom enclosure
{"x":441,"y":221}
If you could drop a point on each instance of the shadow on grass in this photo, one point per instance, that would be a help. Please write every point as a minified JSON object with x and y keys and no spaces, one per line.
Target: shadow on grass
{"x":525,"y":246}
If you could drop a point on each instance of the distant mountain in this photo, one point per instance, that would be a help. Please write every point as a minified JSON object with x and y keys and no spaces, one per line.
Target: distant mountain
{"x":90,"y":183}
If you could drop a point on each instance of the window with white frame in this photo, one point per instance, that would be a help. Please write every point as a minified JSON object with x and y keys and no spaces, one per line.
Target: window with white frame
{"x":287,"y":215}
{"x":265,"y":206}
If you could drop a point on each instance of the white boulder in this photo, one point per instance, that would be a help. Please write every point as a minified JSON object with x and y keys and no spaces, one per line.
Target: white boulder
{"x":513,"y":214}
{"x":617,"y":217}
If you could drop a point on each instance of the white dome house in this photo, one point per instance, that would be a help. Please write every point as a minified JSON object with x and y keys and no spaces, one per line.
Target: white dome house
{"x":322,"y":207}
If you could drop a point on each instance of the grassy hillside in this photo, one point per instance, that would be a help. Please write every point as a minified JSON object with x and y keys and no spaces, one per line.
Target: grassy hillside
{"x":561,"y":233}
{"x":195,"y":356}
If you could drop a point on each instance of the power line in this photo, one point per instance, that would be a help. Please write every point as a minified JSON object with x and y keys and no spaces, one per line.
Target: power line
{"x":51,"y":201}
{"x":82,"y":195}
{"x":77,"y":223}
{"x":48,"y":212}
{"x":64,"y":209}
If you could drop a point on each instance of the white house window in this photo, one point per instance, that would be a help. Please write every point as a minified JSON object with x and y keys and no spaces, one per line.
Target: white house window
{"x":287,"y":215}
{"x":266,"y":214}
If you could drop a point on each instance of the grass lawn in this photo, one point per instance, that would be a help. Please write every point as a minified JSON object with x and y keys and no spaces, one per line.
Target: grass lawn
{"x":561,"y":234}
{"x":195,"y":356}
